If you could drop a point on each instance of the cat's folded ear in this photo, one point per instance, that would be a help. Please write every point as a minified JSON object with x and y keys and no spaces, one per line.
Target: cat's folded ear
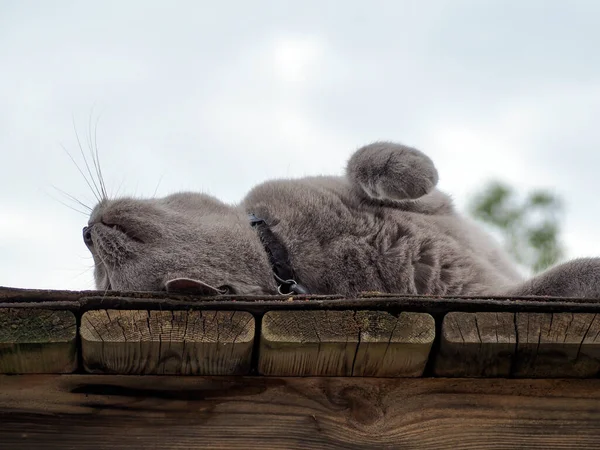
{"x":190,"y":286}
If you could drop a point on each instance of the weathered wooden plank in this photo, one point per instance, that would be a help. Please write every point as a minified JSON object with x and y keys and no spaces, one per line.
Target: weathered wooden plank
{"x":519,"y":344}
{"x":107,"y":412}
{"x":557,"y":345}
{"x":345,"y":343}
{"x":167,"y":342}
{"x":476,"y":345}
{"x":37,"y":341}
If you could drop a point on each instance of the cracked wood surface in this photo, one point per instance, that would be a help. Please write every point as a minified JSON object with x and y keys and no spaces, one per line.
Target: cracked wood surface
{"x":167,"y":342}
{"x":345,"y":343}
{"x":107,"y":412}
{"x":37,"y":341}
{"x":302,"y":343}
{"x":557,"y":345}
{"x":519,"y":344}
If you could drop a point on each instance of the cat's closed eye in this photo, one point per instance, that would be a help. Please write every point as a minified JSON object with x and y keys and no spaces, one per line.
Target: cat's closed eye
{"x":122,"y":229}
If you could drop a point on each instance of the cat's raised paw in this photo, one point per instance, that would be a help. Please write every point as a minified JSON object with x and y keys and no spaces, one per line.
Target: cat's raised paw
{"x":390,"y":171}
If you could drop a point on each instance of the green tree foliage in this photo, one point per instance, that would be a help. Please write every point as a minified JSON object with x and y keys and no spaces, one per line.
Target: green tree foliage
{"x":529,"y":226}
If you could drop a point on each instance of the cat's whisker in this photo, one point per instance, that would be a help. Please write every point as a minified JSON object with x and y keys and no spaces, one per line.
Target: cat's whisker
{"x":158,"y":184}
{"x":85,"y":213}
{"x":119,"y":188}
{"x":106,"y":266}
{"x":81,"y":172}
{"x":97,"y":192}
{"x":82,"y":273}
{"x":98,"y":159}
{"x":72,"y":208}
{"x":93,"y":146}
{"x":75,"y":199}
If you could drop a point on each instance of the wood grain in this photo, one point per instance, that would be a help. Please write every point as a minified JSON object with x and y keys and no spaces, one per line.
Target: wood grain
{"x":476,"y":345}
{"x":345,"y":343}
{"x":37,"y":341}
{"x":557,"y":345}
{"x":535,"y":345}
{"x":167,"y":342}
{"x":108,"y":412}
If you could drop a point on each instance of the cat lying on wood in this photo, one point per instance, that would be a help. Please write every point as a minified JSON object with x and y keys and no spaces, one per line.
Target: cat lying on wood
{"x":382,"y":227}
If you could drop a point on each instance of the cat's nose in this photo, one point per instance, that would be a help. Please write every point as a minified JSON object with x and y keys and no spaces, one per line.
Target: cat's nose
{"x":87,"y":236}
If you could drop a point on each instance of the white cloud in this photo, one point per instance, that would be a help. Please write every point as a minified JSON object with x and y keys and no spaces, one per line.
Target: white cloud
{"x":467,"y":156}
{"x":295,"y":59}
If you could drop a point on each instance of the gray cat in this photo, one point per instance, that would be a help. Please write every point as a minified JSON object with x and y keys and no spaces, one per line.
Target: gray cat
{"x":382,"y":227}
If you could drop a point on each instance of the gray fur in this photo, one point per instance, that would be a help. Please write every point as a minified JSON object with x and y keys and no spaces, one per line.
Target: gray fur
{"x":382,"y":227}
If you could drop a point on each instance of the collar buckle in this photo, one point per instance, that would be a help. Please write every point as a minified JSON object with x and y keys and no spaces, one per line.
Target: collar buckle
{"x":291,"y":285}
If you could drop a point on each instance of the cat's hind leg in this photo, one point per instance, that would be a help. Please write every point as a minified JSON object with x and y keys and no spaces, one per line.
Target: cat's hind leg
{"x":577,"y":278}
{"x":390,"y":171}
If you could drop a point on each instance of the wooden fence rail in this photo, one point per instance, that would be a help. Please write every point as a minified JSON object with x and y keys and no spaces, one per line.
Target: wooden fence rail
{"x":374,"y":335}
{"x":94,"y":370}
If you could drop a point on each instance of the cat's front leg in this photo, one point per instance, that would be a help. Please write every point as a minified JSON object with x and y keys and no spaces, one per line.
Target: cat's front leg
{"x":578,"y":278}
{"x":390,"y":171}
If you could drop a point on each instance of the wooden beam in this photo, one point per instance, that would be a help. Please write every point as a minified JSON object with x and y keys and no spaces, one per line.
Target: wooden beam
{"x":345,"y":343}
{"x":107,"y":412}
{"x":167,"y":342}
{"x":557,"y":345}
{"x":538,"y":345}
{"x":476,"y":345}
{"x":81,"y":301}
{"x":37,"y":341}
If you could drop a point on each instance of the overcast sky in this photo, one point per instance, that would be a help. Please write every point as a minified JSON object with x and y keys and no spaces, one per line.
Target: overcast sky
{"x":220,"y":95}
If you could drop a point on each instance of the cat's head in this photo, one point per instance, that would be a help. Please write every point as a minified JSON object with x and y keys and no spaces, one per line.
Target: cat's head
{"x":186,"y":242}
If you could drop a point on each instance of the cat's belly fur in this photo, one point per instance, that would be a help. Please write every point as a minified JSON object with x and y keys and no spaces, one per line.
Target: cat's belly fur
{"x":340,"y":244}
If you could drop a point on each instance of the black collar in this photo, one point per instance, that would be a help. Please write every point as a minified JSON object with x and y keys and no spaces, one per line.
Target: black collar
{"x":278,"y":257}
